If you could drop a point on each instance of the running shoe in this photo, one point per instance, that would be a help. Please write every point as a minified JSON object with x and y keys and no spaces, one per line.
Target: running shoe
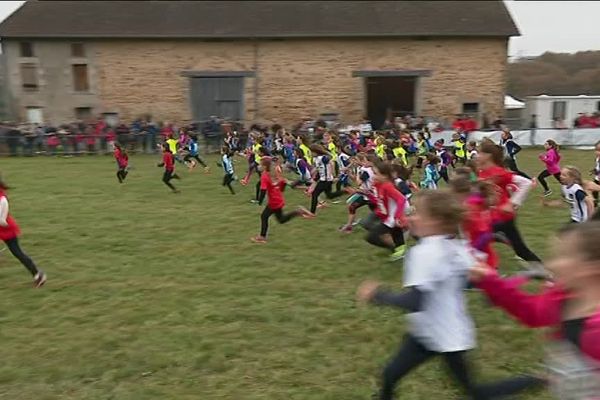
{"x":399,"y":253}
{"x":39,"y":279}
{"x":345,"y":229}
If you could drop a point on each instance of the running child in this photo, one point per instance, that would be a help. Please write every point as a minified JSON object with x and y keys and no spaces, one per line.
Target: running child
{"x":511,"y":149}
{"x":569,"y":307}
{"x":173,"y":147}
{"x":122,"y":162}
{"x":323,"y":175}
{"x":512,"y":190}
{"x":459,"y":148}
{"x":227,"y":163}
{"x":445,"y":159}
{"x":431,"y":177}
{"x":400,"y":153}
{"x":343,"y":162}
{"x":551,"y":158}
{"x":389,"y":208}
{"x":272,"y":188}
{"x":168,"y":161}
{"x":472,"y":151}
{"x":193,"y":154}
{"x":9,"y":234}
{"x":477,"y":198}
{"x":360,"y":197}
{"x":435,"y":275}
{"x":253,"y":153}
{"x":575,"y":195}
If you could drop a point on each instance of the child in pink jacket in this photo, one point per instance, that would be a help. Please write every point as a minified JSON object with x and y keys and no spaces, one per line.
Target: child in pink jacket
{"x":552,"y":159}
{"x":570,"y":307}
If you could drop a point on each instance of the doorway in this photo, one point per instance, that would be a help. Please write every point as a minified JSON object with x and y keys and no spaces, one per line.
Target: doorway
{"x":218,"y":96}
{"x":390,"y":96}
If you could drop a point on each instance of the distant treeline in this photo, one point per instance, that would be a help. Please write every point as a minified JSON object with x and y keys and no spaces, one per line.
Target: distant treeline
{"x":555,"y":74}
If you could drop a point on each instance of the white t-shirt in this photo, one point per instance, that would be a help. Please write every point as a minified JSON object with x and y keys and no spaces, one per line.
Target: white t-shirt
{"x":575,"y":196}
{"x":438,"y":266}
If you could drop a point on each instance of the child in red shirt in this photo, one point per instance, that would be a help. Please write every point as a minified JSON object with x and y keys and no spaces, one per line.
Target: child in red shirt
{"x":9,"y":234}
{"x":168,"y":161}
{"x":273,"y":188}
{"x":122,"y":162}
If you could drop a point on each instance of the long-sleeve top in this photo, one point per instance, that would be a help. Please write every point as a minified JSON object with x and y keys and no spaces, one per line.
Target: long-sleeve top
{"x":227,"y":164}
{"x":511,"y":148}
{"x":506,"y":180}
{"x":390,"y":203}
{"x":551,"y":158}
{"x":541,"y":310}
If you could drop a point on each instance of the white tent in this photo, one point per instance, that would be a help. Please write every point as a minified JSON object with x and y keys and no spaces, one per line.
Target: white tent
{"x":510,"y":103}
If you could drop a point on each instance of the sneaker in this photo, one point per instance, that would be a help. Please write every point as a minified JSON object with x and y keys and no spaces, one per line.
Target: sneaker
{"x":336,"y":202}
{"x":357,"y":222}
{"x":547,"y":193}
{"x":258,"y":239}
{"x":536,"y":270}
{"x":254,"y":201}
{"x":398,"y":253}
{"x":39,"y":279}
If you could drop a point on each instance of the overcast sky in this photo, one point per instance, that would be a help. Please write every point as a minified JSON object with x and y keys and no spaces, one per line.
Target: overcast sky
{"x":558,"y":26}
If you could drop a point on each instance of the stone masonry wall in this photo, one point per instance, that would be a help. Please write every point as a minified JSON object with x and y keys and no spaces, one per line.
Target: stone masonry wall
{"x":299,"y":77}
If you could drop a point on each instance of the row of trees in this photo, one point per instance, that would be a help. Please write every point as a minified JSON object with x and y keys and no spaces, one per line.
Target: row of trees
{"x":555,"y":74}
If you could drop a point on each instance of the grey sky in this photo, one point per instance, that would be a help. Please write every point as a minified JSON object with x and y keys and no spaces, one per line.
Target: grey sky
{"x":558,"y":26}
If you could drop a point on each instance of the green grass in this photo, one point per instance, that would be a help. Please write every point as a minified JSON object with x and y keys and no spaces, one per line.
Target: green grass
{"x":159,"y":296}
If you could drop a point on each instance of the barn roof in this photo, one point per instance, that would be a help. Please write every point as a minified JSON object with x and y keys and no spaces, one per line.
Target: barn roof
{"x":257,"y":19}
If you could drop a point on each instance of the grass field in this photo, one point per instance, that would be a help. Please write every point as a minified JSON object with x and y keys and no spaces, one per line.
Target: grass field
{"x":153,"y":295}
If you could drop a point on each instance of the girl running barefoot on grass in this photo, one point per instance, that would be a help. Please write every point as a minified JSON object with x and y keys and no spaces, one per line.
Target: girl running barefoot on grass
{"x":551,"y":158}
{"x":570,"y":307}
{"x":9,"y":234}
{"x":272,"y":187}
{"x":435,"y":275}
{"x":122,"y":162}
{"x":168,"y":161}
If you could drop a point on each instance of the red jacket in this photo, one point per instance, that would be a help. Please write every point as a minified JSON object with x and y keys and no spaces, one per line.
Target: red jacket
{"x":12,"y":230}
{"x":121,"y":157}
{"x":470,"y":125}
{"x":540,"y":310}
{"x":276,"y":200}
{"x":389,"y":203}
{"x":477,"y":226}
{"x":169,"y":161}
{"x":503,"y":179}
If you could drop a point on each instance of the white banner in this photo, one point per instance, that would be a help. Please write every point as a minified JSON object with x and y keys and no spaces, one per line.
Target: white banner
{"x":534,"y":137}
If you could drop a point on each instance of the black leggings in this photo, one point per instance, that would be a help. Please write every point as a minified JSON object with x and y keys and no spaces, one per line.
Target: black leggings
{"x":15,"y":249}
{"x":509,"y":229}
{"x":323,"y":186}
{"x":444,"y":174}
{"x":167,"y":176}
{"x":375,"y":235}
{"x":412,"y":354}
{"x":542,"y":178}
{"x":511,"y":164}
{"x":121,"y":174}
{"x":281,"y":218}
{"x":227,"y":179}
{"x":200,"y":161}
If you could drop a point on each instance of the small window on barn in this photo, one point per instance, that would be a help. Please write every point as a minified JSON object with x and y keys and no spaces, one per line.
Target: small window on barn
{"x":35,"y":115}
{"x":83,"y":113}
{"x":77,"y":50}
{"x":559,"y":110}
{"x":26,"y":49}
{"x":80,"y":78}
{"x":470,"y":108}
{"x":29,"y":77}
{"x":598,"y":106}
